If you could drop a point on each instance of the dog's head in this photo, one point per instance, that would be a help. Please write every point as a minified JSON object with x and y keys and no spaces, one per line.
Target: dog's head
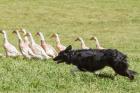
{"x":64,"y":55}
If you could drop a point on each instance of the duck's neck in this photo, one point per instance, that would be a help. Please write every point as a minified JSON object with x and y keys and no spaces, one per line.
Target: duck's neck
{"x":19,"y":37}
{"x":26,"y":39}
{"x":97,"y":43}
{"x":57,"y":40}
{"x":5,"y":37}
{"x":42,"y":37}
{"x":82,"y":43}
{"x":32,"y":40}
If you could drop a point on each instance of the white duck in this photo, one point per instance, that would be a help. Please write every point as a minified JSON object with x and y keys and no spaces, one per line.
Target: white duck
{"x":83,"y":46}
{"x":10,"y":49}
{"x":98,"y":46}
{"x":27,"y":42}
{"x":47,"y":47}
{"x":59,"y":46}
{"x":24,"y":47}
{"x":37,"y":49}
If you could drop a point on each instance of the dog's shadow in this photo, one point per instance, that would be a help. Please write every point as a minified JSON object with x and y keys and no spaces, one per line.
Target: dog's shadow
{"x":105,"y":75}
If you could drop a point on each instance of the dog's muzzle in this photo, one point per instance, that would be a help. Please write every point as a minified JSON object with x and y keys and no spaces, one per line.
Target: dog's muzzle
{"x":57,"y":60}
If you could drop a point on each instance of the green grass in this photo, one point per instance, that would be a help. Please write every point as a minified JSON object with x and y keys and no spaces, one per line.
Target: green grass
{"x":115,"y":22}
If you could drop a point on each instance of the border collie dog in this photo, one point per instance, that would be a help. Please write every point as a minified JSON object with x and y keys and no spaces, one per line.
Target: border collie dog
{"x":94,"y":59}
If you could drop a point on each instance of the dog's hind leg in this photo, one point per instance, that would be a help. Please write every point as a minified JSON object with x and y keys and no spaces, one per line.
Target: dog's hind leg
{"x":129,"y":74}
{"x":126,"y":73}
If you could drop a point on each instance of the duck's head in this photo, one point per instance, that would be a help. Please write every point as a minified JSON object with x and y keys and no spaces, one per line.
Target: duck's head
{"x":2,"y":31}
{"x":22,"y":30}
{"x":28,"y":34}
{"x":78,"y":39}
{"x":15,"y":31}
{"x":54,"y":35}
{"x":93,"y":38}
{"x":38,"y":33}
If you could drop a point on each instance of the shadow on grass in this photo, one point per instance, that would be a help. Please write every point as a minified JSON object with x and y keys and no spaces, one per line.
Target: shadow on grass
{"x":105,"y":75}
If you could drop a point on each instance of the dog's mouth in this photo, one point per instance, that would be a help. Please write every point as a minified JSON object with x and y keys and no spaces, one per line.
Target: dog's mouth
{"x":58,"y":60}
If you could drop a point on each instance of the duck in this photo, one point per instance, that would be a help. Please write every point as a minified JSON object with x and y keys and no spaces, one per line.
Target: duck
{"x":27,"y":42}
{"x":98,"y":46}
{"x":59,"y":46}
{"x":47,"y":47}
{"x":10,"y":49}
{"x":24,"y":47}
{"x":83,"y":46}
{"x":37,"y":49}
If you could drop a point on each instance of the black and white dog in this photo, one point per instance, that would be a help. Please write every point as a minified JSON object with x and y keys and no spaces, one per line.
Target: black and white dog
{"x":94,"y":59}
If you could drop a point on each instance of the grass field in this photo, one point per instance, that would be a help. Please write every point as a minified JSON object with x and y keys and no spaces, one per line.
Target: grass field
{"x":116,"y":23}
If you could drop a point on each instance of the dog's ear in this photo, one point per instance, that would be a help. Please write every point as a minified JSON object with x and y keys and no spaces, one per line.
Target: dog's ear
{"x":69,"y":48}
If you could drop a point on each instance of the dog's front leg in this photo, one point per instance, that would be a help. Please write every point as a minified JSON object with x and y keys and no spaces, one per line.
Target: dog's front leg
{"x":73,"y":70}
